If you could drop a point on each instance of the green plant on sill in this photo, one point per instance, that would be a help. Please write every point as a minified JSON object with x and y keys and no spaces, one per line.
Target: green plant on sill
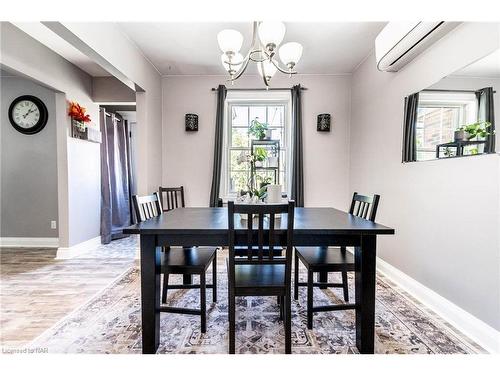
{"x":258,"y":129}
{"x":447,"y":152}
{"x":477,"y":130}
{"x":260,"y":154}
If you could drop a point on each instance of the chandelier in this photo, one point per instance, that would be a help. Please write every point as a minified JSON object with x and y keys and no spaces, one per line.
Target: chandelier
{"x":262,"y":51}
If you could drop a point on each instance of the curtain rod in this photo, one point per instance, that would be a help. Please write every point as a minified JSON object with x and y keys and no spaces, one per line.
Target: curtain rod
{"x":438,"y":90}
{"x":269,"y":89}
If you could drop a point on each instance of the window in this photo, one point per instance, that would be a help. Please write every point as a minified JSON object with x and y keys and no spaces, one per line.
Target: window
{"x":242,"y":109}
{"x":439,"y":115}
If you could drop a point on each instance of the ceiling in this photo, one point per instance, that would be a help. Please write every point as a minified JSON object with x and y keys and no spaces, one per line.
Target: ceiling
{"x":488,"y":66}
{"x":192,"y":49}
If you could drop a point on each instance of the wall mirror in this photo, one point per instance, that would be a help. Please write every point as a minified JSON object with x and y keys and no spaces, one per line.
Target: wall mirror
{"x":456,"y":116}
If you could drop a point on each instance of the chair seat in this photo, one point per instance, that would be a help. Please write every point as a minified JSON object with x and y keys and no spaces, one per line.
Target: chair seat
{"x":322,"y":258}
{"x":194,"y":259}
{"x":259,"y":275}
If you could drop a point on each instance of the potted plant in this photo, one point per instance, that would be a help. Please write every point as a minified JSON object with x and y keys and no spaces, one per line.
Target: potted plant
{"x":78,"y":120}
{"x":258,"y":129}
{"x":260,"y":154}
{"x":475,"y":131}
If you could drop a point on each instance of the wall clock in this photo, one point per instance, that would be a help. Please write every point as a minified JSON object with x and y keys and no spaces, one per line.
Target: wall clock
{"x":28,"y":114}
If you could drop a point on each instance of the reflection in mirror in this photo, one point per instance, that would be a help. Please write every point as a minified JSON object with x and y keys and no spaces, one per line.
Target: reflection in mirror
{"x":455,"y":116}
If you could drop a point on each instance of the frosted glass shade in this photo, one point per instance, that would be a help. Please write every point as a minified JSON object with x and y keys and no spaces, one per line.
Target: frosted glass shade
{"x":271,"y":33}
{"x":269,"y":68}
{"x":235,"y":61}
{"x":230,"y":40}
{"x":290,"y":53}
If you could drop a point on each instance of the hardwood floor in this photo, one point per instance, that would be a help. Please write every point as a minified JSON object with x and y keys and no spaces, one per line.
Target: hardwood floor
{"x":36,"y":290}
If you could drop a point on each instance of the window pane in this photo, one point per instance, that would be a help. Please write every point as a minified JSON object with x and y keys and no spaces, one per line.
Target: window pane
{"x":239,"y":137}
{"x":275,"y":115}
{"x":239,"y":116}
{"x":237,"y":160}
{"x":238,"y":181}
{"x":258,"y":113}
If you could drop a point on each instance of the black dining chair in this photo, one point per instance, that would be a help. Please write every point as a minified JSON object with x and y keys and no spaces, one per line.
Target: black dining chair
{"x":323,"y":259}
{"x":172,"y":197}
{"x":184,"y":261}
{"x":260,"y":273}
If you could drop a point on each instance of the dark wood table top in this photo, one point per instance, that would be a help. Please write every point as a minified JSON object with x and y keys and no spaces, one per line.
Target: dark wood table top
{"x":205,"y":220}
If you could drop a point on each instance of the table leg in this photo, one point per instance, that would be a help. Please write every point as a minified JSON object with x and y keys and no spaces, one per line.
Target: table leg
{"x":323,"y":278}
{"x":364,"y":259}
{"x":150,"y":294}
{"x":187,"y":279}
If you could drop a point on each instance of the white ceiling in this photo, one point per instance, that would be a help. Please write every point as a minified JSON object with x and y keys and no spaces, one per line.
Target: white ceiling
{"x":488,"y":66}
{"x":191,"y":48}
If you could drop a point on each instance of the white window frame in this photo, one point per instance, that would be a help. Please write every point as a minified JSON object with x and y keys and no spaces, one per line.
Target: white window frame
{"x":254,"y":98}
{"x":449,"y":100}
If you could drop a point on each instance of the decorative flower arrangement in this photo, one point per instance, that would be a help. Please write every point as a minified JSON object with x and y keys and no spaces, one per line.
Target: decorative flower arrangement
{"x":77,"y":112}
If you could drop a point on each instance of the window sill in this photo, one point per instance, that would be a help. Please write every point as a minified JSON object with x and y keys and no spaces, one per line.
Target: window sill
{"x":452,"y":158}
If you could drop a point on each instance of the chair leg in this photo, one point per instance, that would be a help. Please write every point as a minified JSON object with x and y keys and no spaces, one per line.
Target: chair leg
{"x":203,"y":302}
{"x":282,"y":307}
{"x":345,"y":286}
{"x":309,"y":299}
{"x":165,"y":288}
{"x":232,"y":322}
{"x":214,"y":278}
{"x":296,"y":278}
{"x":288,"y":322}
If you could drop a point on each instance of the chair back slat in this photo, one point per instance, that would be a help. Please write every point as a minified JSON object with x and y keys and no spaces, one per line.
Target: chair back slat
{"x":147,"y":206}
{"x":364,"y":206}
{"x":170,"y":197}
{"x":265,"y":236}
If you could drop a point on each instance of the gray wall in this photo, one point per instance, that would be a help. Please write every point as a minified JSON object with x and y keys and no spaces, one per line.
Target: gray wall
{"x":28,"y":167}
{"x":445,"y":212}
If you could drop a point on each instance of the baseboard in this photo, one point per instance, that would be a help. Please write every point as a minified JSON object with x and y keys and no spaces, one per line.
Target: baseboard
{"x":75,"y":250}
{"x":476,"y":329}
{"x":29,"y":242}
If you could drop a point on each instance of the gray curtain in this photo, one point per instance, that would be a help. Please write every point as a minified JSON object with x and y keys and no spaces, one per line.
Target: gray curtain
{"x":115,"y":186}
{"x":219,"y":133}
{"x":410,"y":128}
{"x":297,"y":190}
{"x":486,"y":112}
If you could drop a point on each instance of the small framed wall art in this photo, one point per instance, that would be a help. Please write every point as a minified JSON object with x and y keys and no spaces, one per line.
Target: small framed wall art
{"x":191,"y":121}
{"x":324,"y":122}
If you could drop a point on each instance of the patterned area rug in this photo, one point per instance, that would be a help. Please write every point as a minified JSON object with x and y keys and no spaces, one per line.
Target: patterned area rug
{"x":110,"y":323}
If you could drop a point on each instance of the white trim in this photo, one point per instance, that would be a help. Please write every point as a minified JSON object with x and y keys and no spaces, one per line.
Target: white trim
{"x":29,"y":241}
{"x":78,"y":249}
{"x":477,"y":330}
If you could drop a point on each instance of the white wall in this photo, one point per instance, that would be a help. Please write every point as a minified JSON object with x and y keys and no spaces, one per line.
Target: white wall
{"x":188,"y":156}
{"x":78,"y":162}
{"x":445,"y":212}
{"x":106,"y":42}
{"x":29,"y":166}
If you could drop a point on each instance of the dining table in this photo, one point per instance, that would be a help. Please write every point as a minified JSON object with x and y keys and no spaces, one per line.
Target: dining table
{"x":204,"y":226}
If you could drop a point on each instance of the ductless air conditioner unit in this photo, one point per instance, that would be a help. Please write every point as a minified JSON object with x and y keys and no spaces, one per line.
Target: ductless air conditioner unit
{"x":400,"y":42}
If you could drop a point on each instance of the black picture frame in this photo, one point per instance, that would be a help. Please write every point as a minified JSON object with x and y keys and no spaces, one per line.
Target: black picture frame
{"x":42,"y":121}
{"x":191,"y":122}
{"x":323,"y":124}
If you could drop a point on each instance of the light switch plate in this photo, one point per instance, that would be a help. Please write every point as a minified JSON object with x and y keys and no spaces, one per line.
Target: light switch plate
{"x":53,"y":224}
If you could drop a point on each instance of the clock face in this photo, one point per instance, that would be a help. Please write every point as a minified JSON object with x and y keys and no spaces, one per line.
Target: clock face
{"x":28,"y":114}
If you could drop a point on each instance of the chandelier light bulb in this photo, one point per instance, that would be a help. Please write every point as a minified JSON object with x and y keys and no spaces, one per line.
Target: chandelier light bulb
{"x":269,"y":69}
{"x":271,"y":34}
{"x":290,"y":54}
{"x":230,"y":41}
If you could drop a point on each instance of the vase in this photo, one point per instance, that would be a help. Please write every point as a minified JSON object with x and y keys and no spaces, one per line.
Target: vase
{"x":269,"y":134}
{"x":459,"y":135}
